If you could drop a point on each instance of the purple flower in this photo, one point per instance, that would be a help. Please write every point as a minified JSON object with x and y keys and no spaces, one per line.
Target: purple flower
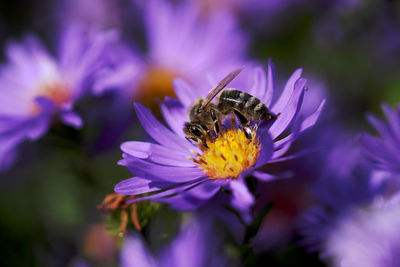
{"x":195,"y":245}
{"x":180,"y":42}
{"x":346,"y":182}
{"x":35,"y":86}
{"x":369,"y":236}
{"x":384,"y":151}
{"x":178,"y":172}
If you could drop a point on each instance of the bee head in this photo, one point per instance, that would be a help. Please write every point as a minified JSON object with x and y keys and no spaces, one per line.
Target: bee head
{"x":195,"y":132}
{"x":203,"y":115}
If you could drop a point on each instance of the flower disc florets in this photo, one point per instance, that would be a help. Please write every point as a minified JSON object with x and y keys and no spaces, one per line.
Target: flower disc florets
{"x":229,"y":155}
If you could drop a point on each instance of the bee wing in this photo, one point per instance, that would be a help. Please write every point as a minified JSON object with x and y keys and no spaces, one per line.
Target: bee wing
{"x":221,"y":85}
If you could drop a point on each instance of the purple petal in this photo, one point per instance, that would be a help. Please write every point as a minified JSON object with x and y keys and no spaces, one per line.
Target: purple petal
{"x":137,"y":185}
{"x":163,"y":195}
{"x":379,"y":126}
{"x":265,"y":177}
{"x":292,"y":156}
{"x":184,"y":92}
{"x":287,"y":92}
{"x":266,"y":148}
{"x":159,"y":132}
{"x":290,"y":110}
{"x":269,"y":94}
{"x":156,"y":153}
{"x":194,"y":197}
{"x":134,"y":253}
{"x":45,"y":104}
{"x":242,"y":199}
{"x":313,"y":118}
{"x":72,"y":119}
{"x":153,"y":171}
{"x":37,"y":127}
{"x":393,"y":120}
{"x":259,"y":83}
{"x":174,"y":114}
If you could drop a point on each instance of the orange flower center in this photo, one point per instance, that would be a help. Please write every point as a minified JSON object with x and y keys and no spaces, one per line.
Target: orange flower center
{"x":156,"y":83}
{"x":56,"y":92}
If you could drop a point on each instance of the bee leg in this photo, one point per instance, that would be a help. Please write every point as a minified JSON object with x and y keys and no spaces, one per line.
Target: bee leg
{"x":217,"y":123}
{"x":217,"y":127}
{"x":244,"y":122}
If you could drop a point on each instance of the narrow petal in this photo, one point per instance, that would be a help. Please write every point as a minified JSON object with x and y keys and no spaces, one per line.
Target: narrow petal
{"x":158,"y":131}
{"x":184,"y":92}
{"x":290,"y":110}
{"x":266,"y":148}
{"x":72,"y":119}
{"x":163,"y":195}
{"x":393,"y":120}
{"x":194,"y":197}
{"x":157,"y":153}
{"x":174,"y":114}
{"x":138,"y":185}
{"x":269,"y":94}
{"x":313,"y":118}
{"x":287,"y":91}
{"x":259,"y":83}
{"x":149,"y":170}
{"x":265,"y":177}
{"x":379,"y":126}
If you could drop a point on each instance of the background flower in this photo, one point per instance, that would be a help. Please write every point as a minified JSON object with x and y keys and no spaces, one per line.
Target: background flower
{"x":369,"y":236}
{"x":384,"y":151}
{"x":345,"y":183}
{"x":195,"y":245}
{"x":35,"y":86}
{"x":180,"y":43}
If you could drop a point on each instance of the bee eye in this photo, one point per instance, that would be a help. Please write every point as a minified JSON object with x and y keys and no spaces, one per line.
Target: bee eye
{"x":195,"y":130}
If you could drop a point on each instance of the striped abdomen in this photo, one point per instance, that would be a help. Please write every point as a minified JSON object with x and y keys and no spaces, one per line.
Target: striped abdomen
{"x":249,"y":106}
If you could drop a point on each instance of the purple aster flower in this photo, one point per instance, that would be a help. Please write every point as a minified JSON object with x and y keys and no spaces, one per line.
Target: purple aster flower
{"x":180,"y":42}
{"x":187,"y":175}
{"x":195,"y":245}
{"x":384,"y":151}
{"x":35,"y":86}
{"x":346,"y":182}
{"x":369,"y":236}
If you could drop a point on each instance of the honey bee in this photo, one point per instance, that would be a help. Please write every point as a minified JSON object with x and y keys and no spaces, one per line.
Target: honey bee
{"x":206,"y":116}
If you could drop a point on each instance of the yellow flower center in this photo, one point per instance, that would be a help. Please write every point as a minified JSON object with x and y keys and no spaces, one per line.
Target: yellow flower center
{"x":156,"y":83}
{"x":229,"y":155}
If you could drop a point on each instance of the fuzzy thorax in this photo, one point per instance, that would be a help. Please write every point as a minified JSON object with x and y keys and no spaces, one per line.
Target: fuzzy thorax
{"x":229,"y":155}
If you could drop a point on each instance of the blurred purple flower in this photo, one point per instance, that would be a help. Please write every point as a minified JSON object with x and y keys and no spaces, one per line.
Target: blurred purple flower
{"x":196,"y":245}
{"x":369,"y":236}
{"x":97,"y":13}
{"x":346,"y":182}
{"x":178,"y":172}
{"x":384,"y":151}
{"x":180,"y":42}
{"x":35,"y":86}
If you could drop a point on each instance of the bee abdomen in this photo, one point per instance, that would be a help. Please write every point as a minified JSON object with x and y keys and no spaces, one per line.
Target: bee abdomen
{"x":232,"y":99}
{"x":250,"y":106}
